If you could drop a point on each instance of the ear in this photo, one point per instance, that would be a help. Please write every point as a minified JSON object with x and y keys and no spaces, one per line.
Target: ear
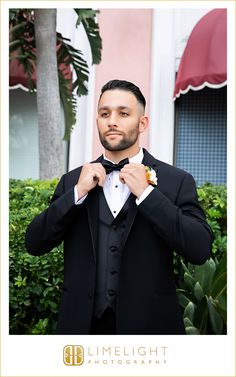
{"x":143,"y":123}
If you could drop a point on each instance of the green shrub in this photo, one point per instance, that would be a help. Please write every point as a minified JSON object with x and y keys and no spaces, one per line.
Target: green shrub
{"x":35,"y":282}
{"x":202,"y":289}
{"x":213,"y":200}
{"x":202,"y":294}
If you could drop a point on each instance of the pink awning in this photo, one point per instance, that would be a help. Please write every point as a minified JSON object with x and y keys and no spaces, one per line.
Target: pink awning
{"x":17,"y":77}
{"x":19,"y":80}
{"x":204,"y":61}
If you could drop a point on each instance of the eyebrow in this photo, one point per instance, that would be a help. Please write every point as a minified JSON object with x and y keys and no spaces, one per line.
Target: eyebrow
{"x":118,"y":108}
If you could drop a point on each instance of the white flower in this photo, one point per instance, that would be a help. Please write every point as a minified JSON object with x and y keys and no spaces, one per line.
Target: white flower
{"x":151,"y":176}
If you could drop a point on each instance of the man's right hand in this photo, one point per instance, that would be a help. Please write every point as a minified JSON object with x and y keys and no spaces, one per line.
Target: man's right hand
{"x":90,"y":176}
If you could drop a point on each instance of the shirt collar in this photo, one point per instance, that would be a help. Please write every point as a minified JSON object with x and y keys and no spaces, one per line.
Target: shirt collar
{"x":138,"y":158}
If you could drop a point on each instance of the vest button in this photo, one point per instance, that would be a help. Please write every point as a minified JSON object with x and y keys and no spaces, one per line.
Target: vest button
{"x":113,"y":272}
{"x":115,"y":227}
{"x":111,"y":292}
{"x":113,"y":249}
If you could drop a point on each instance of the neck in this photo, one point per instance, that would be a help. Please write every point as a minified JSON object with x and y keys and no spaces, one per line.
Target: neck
{"x":117,"y":156}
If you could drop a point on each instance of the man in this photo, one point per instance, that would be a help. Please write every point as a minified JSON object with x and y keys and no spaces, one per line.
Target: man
{"x":120,"y":228}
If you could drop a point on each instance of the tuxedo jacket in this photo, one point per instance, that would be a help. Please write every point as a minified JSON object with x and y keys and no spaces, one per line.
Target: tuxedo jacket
{"x":168,"y":219}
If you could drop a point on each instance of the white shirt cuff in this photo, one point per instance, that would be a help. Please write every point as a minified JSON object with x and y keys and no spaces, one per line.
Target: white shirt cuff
{"x":77,"y":200}
{"x":144,"y":194}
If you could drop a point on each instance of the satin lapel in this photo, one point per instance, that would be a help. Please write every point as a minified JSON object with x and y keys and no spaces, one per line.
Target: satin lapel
{"x":130,"y":218}
{"x":148,"y":160}
{"x":92,"y":204}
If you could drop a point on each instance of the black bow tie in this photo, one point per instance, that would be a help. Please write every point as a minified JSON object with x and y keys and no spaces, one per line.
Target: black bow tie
{"x":109,"y":166}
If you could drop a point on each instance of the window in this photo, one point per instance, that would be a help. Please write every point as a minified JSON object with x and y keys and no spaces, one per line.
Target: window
{"x":23,"y":138}
{"x":201,"y":135}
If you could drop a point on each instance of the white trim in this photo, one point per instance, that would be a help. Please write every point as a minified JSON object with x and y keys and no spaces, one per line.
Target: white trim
{"x":208,"y":84}
{"x":161,"y":133}
{"x":20,"y":86}
{"x":81,"y":137}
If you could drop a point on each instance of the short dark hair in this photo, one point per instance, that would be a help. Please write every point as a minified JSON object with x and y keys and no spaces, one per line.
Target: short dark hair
{"x":124,"y":85}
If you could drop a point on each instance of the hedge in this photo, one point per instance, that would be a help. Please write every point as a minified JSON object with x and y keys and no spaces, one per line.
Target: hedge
{"x":35,"y":282}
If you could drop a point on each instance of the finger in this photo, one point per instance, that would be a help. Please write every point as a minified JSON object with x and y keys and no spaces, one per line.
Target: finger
{"x":99,"y":169}
{"x":122,"y":178}
{"x":101,"y":181}
{"x":100,"y":176}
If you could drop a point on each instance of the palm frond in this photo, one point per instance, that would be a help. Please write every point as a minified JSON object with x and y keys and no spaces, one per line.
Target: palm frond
{"x":68,"y":55}
{"x":87,"y":17}
{"x":22,"y":48}
{"x":22,"y":42}
{"x":69,"y":103}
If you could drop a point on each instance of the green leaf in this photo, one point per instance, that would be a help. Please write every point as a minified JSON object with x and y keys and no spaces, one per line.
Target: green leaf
{"x":191,"y":330}
{"x":88,"y":19}
{"x":185,"y":268}
{"x":204,"y":275}
{"x":189,"y":312}
{"x":201,"y":316}
{"x":189,"y":280}
{"x":69,"y":104}
{"x":68,"y":55}
{"x":219,"y":286}
{"x":183,"y":298}
{"x":222,"y":310}
{"x":187,"y":322}
{"x":198,"y":292}
{"x":215,"y":318}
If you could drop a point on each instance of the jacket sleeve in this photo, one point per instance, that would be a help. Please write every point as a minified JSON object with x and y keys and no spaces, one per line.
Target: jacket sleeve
{"x":182,"y":224}
{"x":47,"y":230}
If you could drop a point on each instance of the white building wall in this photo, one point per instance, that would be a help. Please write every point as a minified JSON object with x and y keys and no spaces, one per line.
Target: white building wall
{"x":171,"y":29}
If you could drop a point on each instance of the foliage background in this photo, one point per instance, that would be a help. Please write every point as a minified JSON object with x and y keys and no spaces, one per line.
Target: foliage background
{"x":35,"y":282}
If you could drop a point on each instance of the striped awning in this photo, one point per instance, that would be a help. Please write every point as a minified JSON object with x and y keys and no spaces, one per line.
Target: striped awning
{"x":204,"y":61}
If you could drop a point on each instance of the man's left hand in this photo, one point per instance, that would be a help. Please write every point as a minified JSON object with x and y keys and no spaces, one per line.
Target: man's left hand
{"x":134,"y":175}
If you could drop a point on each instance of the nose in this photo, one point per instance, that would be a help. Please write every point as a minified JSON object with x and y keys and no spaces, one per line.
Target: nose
{"x":112,"y":120}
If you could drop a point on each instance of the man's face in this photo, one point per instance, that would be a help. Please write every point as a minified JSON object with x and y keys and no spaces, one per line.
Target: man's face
{"x":118,"y":119}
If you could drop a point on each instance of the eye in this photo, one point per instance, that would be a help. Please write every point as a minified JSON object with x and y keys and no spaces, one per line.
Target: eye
{"x":124,"y":114}
{"x":104,"y":114}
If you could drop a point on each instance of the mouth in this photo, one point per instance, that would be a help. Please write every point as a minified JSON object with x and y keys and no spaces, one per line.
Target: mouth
{"x":113,"y":133}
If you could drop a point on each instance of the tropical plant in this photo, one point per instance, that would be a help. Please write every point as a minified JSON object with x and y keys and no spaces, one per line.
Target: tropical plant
{"x":22,"y":47}
{"x":35,"y":45}
{"x":202,"y":289}
{"x":203,"y":295}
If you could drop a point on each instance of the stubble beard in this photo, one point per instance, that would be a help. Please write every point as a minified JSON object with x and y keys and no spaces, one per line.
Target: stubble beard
{"x":126,"y":142}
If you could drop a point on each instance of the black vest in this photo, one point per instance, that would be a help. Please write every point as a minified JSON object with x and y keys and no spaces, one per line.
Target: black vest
{"x":110,"y":234}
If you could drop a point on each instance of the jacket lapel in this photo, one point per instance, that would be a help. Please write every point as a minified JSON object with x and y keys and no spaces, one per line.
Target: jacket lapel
{"x":148,"y":160}
{"x":130,"y":218}
{"x":92,"y":206}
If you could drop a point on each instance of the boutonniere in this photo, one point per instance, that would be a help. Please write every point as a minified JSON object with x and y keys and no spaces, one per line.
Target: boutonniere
{"x":151,"y":176}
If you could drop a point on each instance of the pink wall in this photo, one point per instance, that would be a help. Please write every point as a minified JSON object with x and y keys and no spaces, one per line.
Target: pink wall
{"x":126,"y":54}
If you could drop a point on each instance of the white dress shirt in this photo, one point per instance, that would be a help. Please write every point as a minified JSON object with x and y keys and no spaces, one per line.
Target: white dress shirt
{"x":116,"y":193}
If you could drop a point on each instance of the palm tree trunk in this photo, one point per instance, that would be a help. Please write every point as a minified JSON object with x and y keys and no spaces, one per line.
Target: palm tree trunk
{"x":48,"y":98}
